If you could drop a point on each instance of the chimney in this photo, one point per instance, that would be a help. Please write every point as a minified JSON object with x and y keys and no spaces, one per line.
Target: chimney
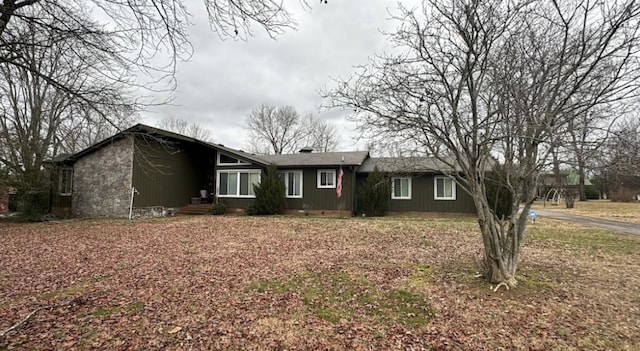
{"x":306,"y":150}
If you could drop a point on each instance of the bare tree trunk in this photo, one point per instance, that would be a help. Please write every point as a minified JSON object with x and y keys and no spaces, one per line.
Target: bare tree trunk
{"x":582,"y":191}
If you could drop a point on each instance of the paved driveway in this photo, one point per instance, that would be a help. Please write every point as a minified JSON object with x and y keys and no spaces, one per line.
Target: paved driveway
{"x":617,"y":226}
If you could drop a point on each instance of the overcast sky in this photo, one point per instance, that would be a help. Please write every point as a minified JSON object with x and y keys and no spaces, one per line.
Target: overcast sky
{"x":225,"y":80}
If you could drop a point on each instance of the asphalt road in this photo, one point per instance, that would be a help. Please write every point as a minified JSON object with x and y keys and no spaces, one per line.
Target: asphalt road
{"x":617,"y":226}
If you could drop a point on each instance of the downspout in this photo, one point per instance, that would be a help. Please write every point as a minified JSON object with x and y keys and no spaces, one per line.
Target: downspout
{"x":353,"y":190}
{"x":133,"y":192}
{"x":133,"y":160}
{"x":51,"y":190}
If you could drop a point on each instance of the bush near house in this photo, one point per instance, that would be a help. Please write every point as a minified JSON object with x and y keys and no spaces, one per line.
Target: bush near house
{"x":218,"y":208}
{"x":269,"y":194}
{"x":375,"y":194}
{"x":497,"y":193}
{"x":591,"y":192}
{"x":33,"y":197}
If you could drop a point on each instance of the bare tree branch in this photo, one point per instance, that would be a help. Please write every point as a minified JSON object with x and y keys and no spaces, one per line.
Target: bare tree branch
{"x":480,"y":82}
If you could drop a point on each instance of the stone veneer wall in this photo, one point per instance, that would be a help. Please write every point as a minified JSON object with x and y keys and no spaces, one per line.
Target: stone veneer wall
{"x":102,"y":181}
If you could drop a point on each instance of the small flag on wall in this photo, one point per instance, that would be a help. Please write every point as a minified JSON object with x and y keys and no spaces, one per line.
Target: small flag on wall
{"x":339,"y":184}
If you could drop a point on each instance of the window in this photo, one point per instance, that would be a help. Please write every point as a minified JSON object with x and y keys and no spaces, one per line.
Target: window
{"x":293,"y":183}
{"x":445,"y":188}
{"x":228,"y":160}
{"x":66,"y":181}
{"x":239,"y":183}
{"x":326,"y":178}
{"x":401,"y":188}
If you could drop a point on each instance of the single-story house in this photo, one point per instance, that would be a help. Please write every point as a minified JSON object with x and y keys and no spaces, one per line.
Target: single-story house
{"x":146,"y":171}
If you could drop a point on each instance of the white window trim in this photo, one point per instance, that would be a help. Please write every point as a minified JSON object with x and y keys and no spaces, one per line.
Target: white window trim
{"x":239,"y":163}
{"x":393,"y":194}
{"x":319,"y":178}
{"x":435,"y":188}
{"x":237,"y":171}
{"x":70,"y":170}
{"x":286,"y":183}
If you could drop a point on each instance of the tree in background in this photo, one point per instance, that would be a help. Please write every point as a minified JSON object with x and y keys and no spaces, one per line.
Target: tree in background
{"x":480,"y":79}
{"x":322,"y":136}
{"x":40,"y":119}
{"x":375,"y":194}
{"x":281,"y":130}
{"x":183,"y":127}
{"x":621,"y":171}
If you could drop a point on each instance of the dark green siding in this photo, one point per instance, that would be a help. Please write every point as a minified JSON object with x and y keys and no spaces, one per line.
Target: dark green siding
{"x":422,"y":198}
{"x":171,"y":175}
{"x":323,"y":199}
{"x":237,"y":203}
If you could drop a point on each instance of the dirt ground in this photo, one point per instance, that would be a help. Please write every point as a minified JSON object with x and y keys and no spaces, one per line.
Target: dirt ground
{"x":276,"y":283}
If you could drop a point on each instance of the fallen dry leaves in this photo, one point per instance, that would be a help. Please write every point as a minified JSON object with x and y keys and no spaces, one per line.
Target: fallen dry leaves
{"x":310,"y":283}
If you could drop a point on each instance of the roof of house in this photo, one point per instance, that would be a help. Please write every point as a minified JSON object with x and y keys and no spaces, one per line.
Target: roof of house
{"x":403,"y":164}
{"x":145,"y":129}
{"x":351,"y":158}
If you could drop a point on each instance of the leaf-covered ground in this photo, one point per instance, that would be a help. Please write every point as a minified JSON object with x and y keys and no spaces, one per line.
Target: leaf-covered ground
{"x":311,"y":283}
{"x":617,"y":211}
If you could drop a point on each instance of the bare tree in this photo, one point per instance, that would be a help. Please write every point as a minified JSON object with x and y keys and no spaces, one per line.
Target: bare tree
{"x":281,"y":130}
{"x":274,"y":130}
{"x":76,"y":134}
{"x":127,"y":38}
{"x":37,"y":116}
{"x":621,"y":171}
{"x":588,"y":133}
{"x":486,"y":81}
{"x":183,"y":127}
{"x":322,"y":135}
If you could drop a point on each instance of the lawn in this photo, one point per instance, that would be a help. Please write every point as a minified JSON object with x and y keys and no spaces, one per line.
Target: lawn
{"x":618,"y":211}
{"x":277,"y":283}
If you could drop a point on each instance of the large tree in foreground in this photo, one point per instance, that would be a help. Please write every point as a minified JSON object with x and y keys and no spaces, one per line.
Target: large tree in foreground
{"x":478,"y":82}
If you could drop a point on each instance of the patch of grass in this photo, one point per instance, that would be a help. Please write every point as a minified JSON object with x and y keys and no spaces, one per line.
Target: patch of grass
{"x":332,"y":315}
{"x":333,"y":296}
{"x":563,"y":332}
{"x":619,"y":211}
{"x":62,"y":293}
{"x":421,"y":275}
{"x":107,"y":311}
{"x":409,"y":308}
{"x":592,"y":239}
{"x":533,"y":282}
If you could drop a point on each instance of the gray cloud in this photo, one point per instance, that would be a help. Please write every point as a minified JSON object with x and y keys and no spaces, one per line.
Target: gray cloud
{"x":226,"y":79}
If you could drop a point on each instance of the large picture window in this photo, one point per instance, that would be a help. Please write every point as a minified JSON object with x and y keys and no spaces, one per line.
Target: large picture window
{"x":293,"y":183}
{"x":66,"y":181}
{"x":401,"y":188}
{"x":326,"y":178}
{"x":445,"y":188}
{"x":237,"y":183}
